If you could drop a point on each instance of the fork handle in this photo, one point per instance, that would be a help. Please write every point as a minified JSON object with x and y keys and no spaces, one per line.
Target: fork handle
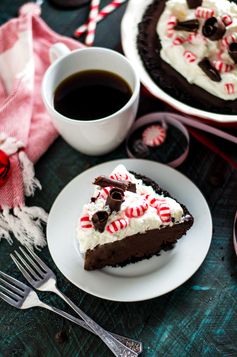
{"x":136,"y":346}
{"x":114,"y":345}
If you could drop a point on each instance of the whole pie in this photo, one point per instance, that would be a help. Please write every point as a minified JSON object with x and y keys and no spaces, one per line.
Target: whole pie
{"x":189,"y":48}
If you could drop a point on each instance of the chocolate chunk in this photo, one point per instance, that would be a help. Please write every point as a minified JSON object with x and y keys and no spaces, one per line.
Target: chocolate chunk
{"x":214,"y":29}
{"x":209,"y":70}
{"x":192,"y":4}
{"x":104,"y":181}
{"x":99,"y":220}
{"x":189,"y":25}
{"x":115,"y":199}
{"x":140,"y":149}
{"x":233,"y":51}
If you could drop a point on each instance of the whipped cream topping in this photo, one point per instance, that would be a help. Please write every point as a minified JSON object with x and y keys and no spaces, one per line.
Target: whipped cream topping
{"x":185,"y":53}
{"x":90,"y":238}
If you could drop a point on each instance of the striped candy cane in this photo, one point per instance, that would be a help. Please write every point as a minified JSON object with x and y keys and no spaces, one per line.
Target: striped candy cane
{"x":227,"y":40}
{"x":189,"y":56}
{"x":102,"y":14}
{"x":117,"y":225}
{"x":227,"y":20}
{"x":230,"y":88}
{"x":94,"y":10}
{"x":203,"y":12}
{"x":223,"y":67}
{"x":172,"y":21}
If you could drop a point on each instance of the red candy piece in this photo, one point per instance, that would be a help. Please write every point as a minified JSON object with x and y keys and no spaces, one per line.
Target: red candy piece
{"x":189,"y":56}
{"x":104,"y":192}
{"x":119,"y":177}
{"x":179,"y":40}
{"x":227,"y":40}
{"x":204,"y":13}
{"x":154,"y":135}
{"x":136,"y":211}
{"x":230,"y":88}
{"x":85,"y":222}
{"x":4,"y":167}
{"x":154,"y":201}
{"x":172,"y":21}
{"x":117,"y":225}
{"x":164,"y":212}
{"x":227,"y":20}
{"x":223,"y":67}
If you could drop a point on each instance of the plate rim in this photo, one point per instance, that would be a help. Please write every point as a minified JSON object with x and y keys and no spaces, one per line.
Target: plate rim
{"x":130,"y":50}
{"x":133,"y":299}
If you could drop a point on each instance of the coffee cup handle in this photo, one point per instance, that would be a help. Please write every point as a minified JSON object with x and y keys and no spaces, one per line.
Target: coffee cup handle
{"x":58,"y":50}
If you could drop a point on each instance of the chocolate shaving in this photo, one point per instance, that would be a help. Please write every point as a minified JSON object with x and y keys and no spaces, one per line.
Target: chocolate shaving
{"x":192,"y":4}
{"x":115,"y":199}
{"x":233,"y":51}
{"x":214,"y":29}
{"x":209,"y":70}
{"x":189,"y":25}
{"x":104,"y":181}
{"x":99,"y":220}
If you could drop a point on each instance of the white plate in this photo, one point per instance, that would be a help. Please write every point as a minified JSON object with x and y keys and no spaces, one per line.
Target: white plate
{"x":129,"y":30}
{"x":146,"y":279}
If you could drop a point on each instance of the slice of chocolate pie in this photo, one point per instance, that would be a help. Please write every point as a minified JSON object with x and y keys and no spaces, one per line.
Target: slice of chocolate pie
{"x":129,"y":218}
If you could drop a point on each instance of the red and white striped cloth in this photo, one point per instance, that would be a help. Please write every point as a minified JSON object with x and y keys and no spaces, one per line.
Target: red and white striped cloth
{"x":24,"y":58}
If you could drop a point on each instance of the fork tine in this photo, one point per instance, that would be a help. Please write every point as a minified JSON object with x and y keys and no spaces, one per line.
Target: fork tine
{"x":21,"y":268}
{"x":7,"y":299}
{"x":39,"y":261}
{"x":13,"y":280}
{"x":12,"y":287}
{"x":10,"y":293}
{"x":35,"y":274}
{"x":37,"y":268}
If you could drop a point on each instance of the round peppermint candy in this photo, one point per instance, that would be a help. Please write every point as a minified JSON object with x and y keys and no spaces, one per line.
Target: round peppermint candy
{"x":154,"y":135}
{"x":117,"y":225}
{"x":136,"y":210}
{"x":85,"y":222}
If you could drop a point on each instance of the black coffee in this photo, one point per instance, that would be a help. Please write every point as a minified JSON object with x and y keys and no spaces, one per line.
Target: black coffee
{"x":90,"y":95}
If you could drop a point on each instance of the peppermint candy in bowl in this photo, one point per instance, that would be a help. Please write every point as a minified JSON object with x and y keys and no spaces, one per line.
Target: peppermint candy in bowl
{"x":158,"y":137}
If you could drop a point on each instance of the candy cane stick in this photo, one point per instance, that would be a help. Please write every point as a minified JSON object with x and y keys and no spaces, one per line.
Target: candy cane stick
{"x":102,"y":14}
{"x":94,"y":10}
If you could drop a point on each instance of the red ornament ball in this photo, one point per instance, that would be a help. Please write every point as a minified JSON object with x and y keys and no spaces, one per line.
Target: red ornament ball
{"x":4,"y":167}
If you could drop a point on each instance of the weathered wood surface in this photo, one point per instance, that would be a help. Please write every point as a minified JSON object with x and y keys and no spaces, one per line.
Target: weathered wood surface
{"x":197,"y":319}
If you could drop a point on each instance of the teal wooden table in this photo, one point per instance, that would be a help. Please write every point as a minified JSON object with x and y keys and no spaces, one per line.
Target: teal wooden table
{"x":197,"y":319}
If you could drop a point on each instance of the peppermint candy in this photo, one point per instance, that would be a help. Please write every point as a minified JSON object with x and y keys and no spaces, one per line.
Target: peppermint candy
{"x":227,"y":40}
{"x":118,"y":176}
{"x":164,"y":212}
{"x":85,"y":222}
{"x":136,"y":210}
{"x":204,"y":13}
{"x":223,"y":67}
{"x":117,"y":225}
{"x":179,"y":40}
{"x":170,"y":26}
{"x":104,"y":192}
{"x":189,"y":56}
{"x":154,"y":201}
{"x":154,"y":135}
{"x":230,"y":88}
{"x":227,"y":20}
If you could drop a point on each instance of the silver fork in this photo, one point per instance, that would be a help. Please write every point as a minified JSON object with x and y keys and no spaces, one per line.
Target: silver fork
{"x":21,"y":296}
{"x":41,"y":277}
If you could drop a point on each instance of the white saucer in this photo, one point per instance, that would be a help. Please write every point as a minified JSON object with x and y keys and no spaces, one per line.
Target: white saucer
{"x":146,"y":279}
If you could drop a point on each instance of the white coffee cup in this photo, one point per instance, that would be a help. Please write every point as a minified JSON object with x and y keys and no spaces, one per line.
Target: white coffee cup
{"x":98,"y":136}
